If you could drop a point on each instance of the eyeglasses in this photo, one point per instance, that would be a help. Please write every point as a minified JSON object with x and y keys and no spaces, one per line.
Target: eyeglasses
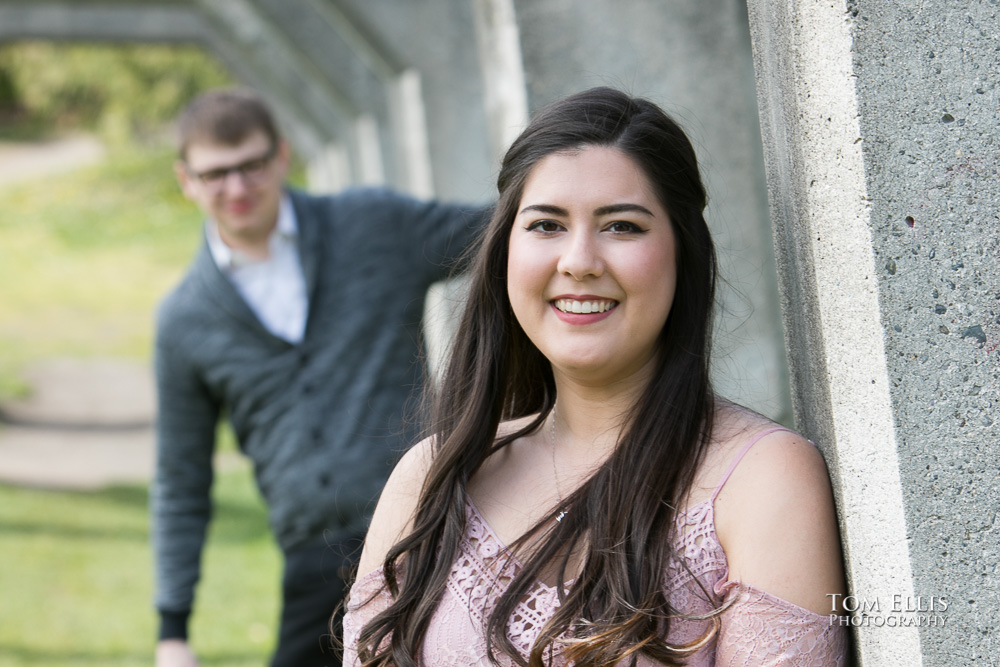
{"x":252,"y":171}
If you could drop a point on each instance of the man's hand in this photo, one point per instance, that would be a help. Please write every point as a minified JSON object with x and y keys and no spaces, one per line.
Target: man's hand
{"x":175,"y":653}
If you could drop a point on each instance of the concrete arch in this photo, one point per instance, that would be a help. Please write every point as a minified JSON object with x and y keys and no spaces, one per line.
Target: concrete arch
{"x":350,"y":108}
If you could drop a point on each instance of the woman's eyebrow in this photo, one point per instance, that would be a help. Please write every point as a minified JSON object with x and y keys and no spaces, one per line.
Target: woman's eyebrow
{"x":610,"y":209}
{"x":547,"y":209}
{"x":623,"y":208}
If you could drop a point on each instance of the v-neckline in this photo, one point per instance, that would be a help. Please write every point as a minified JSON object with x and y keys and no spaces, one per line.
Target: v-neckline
{"x":502,"y":546}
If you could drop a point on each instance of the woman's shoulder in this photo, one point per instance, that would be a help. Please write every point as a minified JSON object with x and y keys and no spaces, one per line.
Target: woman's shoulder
{"x":757,"y":451}
{"x":736,"y":432}
{"x":393,"y":517}
{"x":775,"y":514}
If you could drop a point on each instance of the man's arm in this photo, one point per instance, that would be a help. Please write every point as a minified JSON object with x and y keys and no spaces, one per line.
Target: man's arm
{"x":181,"y":501}
{"x":439,"y":235}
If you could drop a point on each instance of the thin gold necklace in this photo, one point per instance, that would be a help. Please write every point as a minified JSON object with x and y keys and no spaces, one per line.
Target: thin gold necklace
{"x":555,"y":470}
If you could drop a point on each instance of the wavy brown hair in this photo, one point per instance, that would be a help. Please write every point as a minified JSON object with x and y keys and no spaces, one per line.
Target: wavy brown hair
{"x":621,"y":519}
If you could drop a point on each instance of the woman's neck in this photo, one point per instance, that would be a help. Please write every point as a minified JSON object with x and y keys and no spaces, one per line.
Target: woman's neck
{"x":589,"y":419}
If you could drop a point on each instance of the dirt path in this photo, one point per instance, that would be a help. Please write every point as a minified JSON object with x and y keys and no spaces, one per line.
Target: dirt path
{"x":87,"y":423}
{"x":23,"y":161}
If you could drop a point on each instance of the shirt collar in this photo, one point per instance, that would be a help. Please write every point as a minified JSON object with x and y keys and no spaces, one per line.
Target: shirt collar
{"x":228,"y":259}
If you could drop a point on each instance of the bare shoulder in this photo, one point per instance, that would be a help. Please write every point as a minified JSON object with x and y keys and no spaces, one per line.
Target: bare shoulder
{"x":776,"y":520}
{"x":393,"y":517}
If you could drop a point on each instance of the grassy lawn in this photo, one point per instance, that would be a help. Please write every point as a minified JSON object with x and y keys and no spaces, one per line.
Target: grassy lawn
{"x":76,"y":578}
{"x":84,"y":258}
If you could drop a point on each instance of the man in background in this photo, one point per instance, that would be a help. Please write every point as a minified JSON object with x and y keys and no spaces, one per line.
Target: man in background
{"x":299,"y":320}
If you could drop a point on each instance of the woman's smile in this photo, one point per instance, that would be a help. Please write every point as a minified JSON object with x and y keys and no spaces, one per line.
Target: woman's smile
{"x":583,"y":305}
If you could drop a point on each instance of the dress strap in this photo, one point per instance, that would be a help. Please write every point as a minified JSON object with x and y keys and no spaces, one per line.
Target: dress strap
{"x":739,"y":457}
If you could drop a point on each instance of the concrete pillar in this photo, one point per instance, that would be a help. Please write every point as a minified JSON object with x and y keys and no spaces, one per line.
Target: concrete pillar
{"x":693,"y":58}
{"x":879,"y":120}
{"x":436,"y":43}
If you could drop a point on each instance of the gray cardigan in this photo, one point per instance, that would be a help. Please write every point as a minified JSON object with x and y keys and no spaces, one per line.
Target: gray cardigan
{"x":323,"y":420}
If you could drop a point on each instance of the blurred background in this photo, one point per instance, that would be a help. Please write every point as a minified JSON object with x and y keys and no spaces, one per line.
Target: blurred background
{"x":93,"y":231}
{"x":422,"y":95}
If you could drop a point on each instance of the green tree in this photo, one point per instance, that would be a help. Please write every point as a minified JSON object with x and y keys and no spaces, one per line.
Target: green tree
{"x":124,"y":93}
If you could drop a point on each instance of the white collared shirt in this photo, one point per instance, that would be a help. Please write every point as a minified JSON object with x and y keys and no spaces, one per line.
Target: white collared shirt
{"x":275,"y":287}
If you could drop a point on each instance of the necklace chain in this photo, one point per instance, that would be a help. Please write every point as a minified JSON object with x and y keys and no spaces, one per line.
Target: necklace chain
{"x":555,"y":469}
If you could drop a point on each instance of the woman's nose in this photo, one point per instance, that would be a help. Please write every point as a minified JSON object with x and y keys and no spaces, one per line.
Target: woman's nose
{"x":581,"y":257}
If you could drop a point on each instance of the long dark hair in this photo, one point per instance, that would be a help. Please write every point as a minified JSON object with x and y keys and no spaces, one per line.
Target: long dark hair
{"x":623,"y":516}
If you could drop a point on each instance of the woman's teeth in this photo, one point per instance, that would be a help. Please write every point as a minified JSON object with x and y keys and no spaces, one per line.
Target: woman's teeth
{"x":573,"y":306}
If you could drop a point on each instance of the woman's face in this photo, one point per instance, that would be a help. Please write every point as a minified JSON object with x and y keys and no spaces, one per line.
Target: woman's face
{"x":591,"y":270}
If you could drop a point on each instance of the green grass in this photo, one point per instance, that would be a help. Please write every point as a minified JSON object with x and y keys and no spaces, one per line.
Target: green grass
{"x":76,"y":578}
{"x":84,"y":258}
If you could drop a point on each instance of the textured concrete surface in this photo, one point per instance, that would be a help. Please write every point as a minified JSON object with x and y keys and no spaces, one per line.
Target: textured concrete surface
{"x":929,"y":103}
{"x":879,"y":122}
{"x":829,"y":294}
{"x":438,"y":39}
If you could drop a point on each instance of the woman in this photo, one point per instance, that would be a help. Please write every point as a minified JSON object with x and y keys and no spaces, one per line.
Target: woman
{"x":579,"y":500}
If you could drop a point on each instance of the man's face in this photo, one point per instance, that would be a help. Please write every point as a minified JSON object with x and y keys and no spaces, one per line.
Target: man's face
{"x":239,"y":186}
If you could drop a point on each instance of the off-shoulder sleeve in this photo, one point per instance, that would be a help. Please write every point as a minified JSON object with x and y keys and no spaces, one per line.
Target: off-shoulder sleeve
{"x":368,"y":598}
{"x":761,"y":630}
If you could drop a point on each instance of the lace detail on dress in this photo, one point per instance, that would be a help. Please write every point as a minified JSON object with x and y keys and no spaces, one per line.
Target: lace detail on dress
{"x":368,"y":598}
{"x":484,"y":569}
{"x":757,"y":629}
{"x":697,"y":548}
{"x":763,"y":630}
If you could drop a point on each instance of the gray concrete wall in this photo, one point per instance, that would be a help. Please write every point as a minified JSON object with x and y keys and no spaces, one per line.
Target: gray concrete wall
{"x":930,"y":109}
{"x":879,"y":120}
{"x":693,"y":58}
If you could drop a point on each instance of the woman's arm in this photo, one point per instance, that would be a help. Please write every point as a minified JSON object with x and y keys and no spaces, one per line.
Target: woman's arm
{"x":776,"y":521}
{"x":393,"y":517}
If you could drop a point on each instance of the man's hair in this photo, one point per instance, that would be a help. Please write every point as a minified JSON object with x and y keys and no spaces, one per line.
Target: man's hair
{"x":224,"y":116}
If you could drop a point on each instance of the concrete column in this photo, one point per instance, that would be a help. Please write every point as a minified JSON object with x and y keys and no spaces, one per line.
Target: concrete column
{"x":433,"y":46}
{"x":693,"y":58}
{"x":504,"y":93}
{"x":879,"y":120}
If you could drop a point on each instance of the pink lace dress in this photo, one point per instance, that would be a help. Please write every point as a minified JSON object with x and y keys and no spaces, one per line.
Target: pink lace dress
{"x":756,"y":629}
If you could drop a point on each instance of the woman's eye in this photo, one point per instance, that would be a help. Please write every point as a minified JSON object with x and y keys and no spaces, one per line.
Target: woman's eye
{"x":622,"y":227}
{"x":544,"y":226}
